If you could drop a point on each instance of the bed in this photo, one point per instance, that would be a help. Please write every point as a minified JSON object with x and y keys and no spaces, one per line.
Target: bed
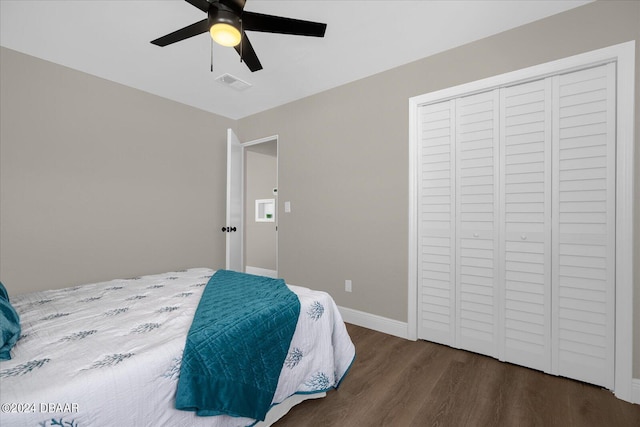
{"x":110,"y":353}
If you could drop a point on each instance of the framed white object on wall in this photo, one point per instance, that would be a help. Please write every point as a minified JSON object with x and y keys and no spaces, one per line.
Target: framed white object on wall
{"x":265,"y":210}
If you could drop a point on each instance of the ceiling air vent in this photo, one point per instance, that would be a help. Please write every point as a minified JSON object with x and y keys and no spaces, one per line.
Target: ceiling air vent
{"x":233,"y":82}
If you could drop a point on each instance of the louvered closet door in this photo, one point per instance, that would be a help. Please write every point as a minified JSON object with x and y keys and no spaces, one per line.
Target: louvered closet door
{"x":436,"y":254}
{"x":517,"y":224}
{"x":477,"y":222}
{"x":525,"y":151}
{"x":584,"y":225}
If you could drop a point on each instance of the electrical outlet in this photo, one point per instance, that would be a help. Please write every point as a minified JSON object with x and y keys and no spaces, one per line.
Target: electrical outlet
{"x":347,"y":285}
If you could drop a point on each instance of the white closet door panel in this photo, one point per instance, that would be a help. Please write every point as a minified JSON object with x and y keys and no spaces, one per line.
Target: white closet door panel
{"x":476,"y":222}
{"x":525,"y":150}
{"x":584,"y":244}
{"x":436,"y":257}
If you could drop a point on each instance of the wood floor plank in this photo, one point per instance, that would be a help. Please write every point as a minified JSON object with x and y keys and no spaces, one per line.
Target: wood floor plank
{"x":399,"y":401}
{"x":395,"y":382}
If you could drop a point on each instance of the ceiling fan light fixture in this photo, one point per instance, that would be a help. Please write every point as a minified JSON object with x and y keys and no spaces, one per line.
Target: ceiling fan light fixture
{"x":225,"y":27}
{"x":225,"y":34}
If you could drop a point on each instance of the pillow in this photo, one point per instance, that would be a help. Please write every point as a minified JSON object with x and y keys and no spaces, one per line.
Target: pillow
{"x":9,"y":325}
{"x":3,"y":292}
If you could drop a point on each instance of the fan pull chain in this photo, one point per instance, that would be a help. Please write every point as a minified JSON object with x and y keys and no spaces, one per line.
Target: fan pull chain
{"x":211,"y":54}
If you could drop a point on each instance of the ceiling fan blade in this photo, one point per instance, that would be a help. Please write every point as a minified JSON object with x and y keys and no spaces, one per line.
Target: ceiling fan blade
{"x":235,"y":5}
{"x":183,"y":33}
{"x":203,"y":5}
{"x":277,"y":24}
{"x":247,"y":54}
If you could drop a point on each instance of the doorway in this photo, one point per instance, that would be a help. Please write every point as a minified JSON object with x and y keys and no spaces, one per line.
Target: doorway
{"x":260,"y":207}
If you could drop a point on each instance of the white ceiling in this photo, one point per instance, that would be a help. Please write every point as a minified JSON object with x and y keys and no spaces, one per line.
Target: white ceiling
{"x":110,"y":39}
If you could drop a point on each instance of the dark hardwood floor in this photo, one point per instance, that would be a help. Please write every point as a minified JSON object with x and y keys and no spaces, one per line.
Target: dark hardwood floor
{"x":396,"y":382}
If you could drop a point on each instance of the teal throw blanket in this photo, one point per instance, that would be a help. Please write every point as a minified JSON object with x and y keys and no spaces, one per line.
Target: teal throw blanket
{"x":237,"y":345}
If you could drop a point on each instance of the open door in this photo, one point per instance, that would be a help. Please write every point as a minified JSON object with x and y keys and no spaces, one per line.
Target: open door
{"x":233,"y":227}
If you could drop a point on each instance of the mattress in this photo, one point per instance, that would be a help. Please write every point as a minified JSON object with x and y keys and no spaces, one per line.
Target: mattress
{"x":109,"y":353}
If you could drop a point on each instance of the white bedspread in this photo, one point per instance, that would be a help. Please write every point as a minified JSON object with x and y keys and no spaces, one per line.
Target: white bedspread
{"x":108,"y":354}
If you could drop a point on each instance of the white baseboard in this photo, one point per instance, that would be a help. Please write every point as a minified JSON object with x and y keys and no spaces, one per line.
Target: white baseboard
{"x":375,"y":322}
{"x":635,"y":390}
{"x":261,"y":271}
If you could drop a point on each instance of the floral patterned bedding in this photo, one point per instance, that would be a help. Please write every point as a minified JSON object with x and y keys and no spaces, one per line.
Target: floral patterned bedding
{"x":108,"y":354}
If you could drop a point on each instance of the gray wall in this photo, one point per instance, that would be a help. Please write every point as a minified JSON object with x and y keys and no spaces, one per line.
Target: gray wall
{"x":260,"y":180}
{"x":101,"y":181}
{"x":344,"y":157}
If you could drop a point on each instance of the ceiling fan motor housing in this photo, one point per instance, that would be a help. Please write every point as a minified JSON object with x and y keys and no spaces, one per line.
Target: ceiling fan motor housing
{"x":221,"y":16}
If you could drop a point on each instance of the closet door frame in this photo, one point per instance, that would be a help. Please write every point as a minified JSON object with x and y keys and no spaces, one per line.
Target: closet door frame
{"x":624,"y":56}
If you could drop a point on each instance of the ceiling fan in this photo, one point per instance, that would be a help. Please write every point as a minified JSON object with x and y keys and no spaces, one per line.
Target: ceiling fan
{"x":227,"y":22}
